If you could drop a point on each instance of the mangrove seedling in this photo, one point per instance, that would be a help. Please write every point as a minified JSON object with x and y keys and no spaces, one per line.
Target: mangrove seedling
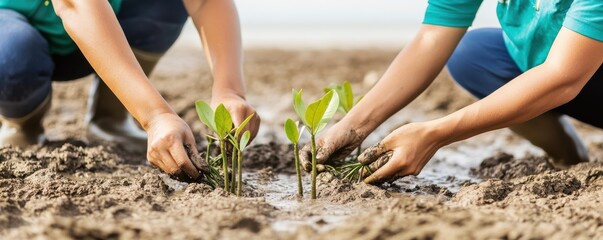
{"x":220,"y":122}
{"x":294,"y":133}
{"x":347,"y":99}
{"x":239,"y":144}
{"x":315,"y":117}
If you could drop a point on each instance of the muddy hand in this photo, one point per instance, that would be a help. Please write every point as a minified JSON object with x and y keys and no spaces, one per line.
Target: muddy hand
{"x":374,"y":157}
{"x":334,"y":145}
{"x":168,"y":134}
{"x":403,"y":152}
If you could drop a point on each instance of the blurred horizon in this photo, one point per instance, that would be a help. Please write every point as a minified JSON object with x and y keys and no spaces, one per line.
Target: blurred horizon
{"x":333,"y":23}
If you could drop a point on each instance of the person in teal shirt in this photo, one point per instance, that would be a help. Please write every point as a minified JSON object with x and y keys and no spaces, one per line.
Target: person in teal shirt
{"x":543,"y":65}
{"x":120,"y":41}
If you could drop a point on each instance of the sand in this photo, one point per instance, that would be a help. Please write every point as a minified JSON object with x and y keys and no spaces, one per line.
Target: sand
{"x":69,"y":188}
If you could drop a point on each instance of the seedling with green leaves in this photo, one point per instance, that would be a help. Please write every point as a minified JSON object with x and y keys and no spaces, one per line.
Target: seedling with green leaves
{"x":239,"y":144}
{"x":220,"y":123}
{"x":347,"y":99}
{"x":315,"y":117}
{"x":294,"y":133}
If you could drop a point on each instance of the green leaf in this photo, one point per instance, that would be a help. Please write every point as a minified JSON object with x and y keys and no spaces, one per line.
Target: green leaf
{"x":242,"y":125}
{"x":223,"y":121}
{"x":348,"y":96}
{"x":333,"y":105}
{"x":206,"y":114}
{"x":291,"y":131}
{"x":245,"y":139}
{"x":299,"y":105}
{"x":322,"y":111}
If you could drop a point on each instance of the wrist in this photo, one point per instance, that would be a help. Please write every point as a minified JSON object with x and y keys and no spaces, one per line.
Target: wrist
{"x":227,"y":92}
{"x":361,"y":126}
{"x":154,"y":116}
{"x":440,"y":131}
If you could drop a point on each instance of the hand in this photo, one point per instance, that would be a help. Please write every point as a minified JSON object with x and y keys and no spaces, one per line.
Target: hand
{"x":403,"y":152}
{"x":336,"y":144}
{"x":240,"y":110}
{"x":168,"y":134}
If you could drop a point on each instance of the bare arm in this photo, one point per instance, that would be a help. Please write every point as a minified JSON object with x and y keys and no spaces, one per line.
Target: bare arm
{"x":413,"y":70}
{"x":572,"y":61}
{"x":94,"y":28}
{"x":218,"y":25}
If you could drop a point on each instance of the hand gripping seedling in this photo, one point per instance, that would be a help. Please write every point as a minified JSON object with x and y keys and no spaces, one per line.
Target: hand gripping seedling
{"x":350,"y":169}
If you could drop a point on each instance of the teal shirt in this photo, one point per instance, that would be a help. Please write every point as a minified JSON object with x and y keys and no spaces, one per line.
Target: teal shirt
{"x":41,"y":15}
{"x":529,"y":26}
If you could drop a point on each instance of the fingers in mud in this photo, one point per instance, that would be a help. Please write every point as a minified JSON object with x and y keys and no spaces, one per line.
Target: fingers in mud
{"x":372,"y":154}
{"x":380,"y":162}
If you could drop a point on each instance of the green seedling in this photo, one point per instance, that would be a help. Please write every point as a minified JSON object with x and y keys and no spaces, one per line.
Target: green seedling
{"x":220,"y":123}
{"x":315,"y":117}
{"x":347,"y":100}
{"x":294,"y":133}
{"x":213,"y":177}
{"x":239,"y":144}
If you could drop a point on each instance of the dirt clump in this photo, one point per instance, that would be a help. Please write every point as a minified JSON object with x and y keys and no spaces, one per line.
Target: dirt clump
{"x":505,"y":166}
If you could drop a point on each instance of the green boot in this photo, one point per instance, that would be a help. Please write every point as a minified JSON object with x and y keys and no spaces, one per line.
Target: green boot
{"x":26,"y":130}
{"x":108,"y":120}
{"x":554,"y":134}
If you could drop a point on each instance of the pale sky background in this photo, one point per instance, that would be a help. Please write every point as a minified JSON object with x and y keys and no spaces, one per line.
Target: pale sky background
{"x":334,"y":23}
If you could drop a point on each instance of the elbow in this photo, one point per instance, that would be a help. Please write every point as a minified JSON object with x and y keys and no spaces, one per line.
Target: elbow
{"x":194,"y":6}
{"x":568,"y":92}
{"x":570,"y":82}
{"x":63,"y":7}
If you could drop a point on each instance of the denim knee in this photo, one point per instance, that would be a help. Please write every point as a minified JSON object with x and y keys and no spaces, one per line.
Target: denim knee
{"x":152,"y":25}
{"x":481,"y":63}
{"x":25,"y":66}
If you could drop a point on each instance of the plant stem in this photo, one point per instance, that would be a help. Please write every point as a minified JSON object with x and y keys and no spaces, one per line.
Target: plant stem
{"x":300,"y":190}
{"x":358,"y":151}
{"x":314,"y":171}
{"x":207,"y":151}
{"x":224,"y":164}
{"x":233,"y":165}
{"x":240,"y":168}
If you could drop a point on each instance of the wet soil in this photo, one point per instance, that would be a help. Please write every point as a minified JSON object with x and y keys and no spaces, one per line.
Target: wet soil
{"x":70,"y":188}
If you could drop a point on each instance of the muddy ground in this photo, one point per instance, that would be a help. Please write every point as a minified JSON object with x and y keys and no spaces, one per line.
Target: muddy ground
{"x":494,"y":186}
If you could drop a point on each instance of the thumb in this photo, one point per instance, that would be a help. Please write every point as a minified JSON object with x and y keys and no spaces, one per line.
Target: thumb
{"x":324,"y":150}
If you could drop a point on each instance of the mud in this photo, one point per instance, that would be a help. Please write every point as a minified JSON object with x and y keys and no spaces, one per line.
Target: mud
{"x":69,"y":188}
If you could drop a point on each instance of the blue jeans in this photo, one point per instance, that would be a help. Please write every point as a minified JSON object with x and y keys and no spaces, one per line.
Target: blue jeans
{"x":481,"y":64}
{"x":27,"y":68}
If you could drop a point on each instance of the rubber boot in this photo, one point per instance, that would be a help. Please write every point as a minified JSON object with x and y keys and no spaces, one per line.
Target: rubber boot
{"x":107,"y":118}
{"x":26,"y":130}
{"x":554,"y":134}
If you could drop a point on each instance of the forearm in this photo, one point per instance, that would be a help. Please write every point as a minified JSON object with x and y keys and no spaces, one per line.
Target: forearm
{"x":415,"y":67}
{"x":528,"y":96}
{"x":218,"y":25}
{"x":94,"y":28}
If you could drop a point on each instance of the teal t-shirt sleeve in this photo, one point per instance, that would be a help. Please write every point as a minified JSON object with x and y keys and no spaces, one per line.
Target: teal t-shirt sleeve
{"x":586,"y":17}
{"x":452,"y":13}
